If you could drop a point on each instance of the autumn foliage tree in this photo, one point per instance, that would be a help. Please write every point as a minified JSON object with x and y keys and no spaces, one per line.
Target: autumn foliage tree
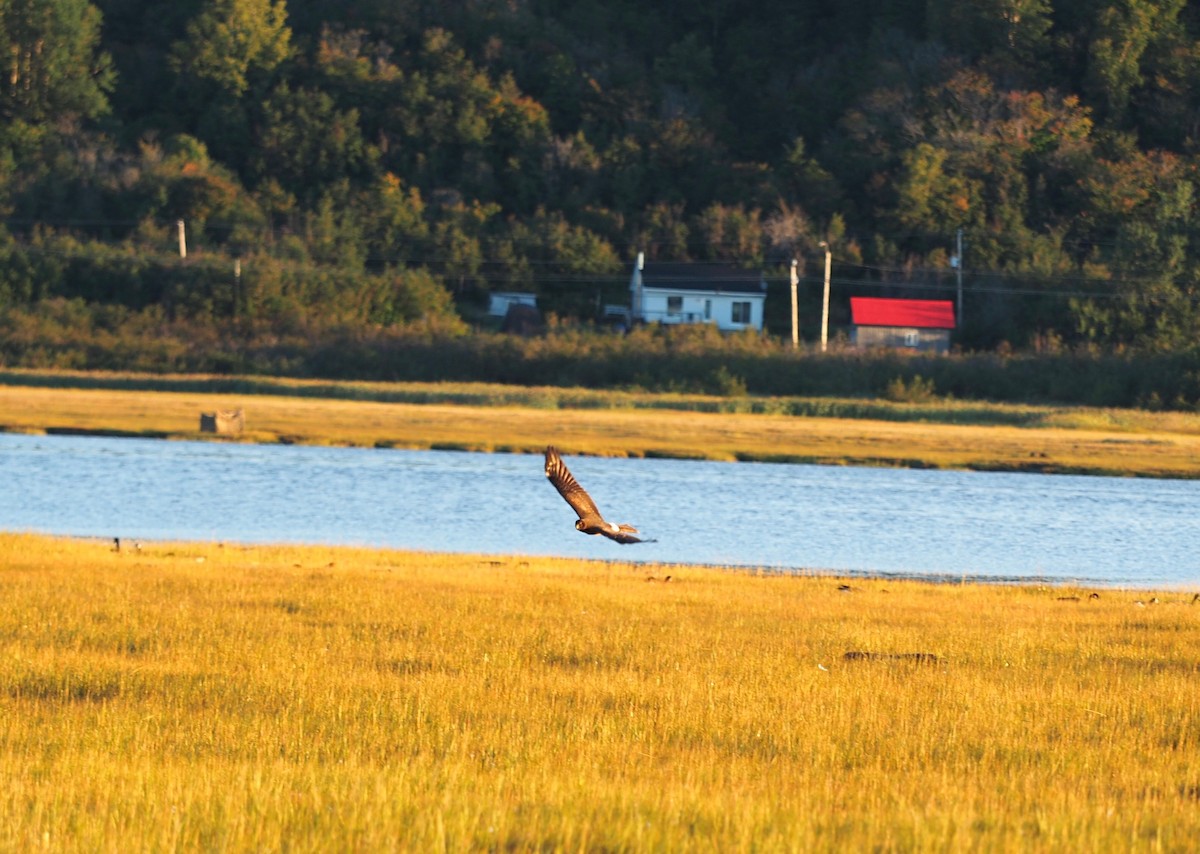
{"x":542,"y":146}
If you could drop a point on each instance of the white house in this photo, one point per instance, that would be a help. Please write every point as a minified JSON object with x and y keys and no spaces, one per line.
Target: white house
{"x":728,"y":296}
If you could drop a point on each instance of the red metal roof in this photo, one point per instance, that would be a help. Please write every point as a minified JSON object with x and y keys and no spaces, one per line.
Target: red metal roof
{"x":918,"y":313}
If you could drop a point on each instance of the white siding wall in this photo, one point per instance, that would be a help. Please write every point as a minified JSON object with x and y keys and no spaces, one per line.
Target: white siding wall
{"x":693,"y":307}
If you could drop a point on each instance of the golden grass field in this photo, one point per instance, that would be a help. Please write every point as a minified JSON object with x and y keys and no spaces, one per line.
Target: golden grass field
{"x":1054,"y":439}
{"x":201,"y":696}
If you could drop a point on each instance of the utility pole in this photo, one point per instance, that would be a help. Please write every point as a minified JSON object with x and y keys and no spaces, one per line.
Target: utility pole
{"x":182,"y":238}
{"x":795,"y":310}
{"x":958,"y":263}
{"x":825,"y":300}
{"x":635,"y":300}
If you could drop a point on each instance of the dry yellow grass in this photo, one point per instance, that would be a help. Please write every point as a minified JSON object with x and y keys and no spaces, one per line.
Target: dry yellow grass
{"x":199,"y":696}
{"x":1167,"y":447}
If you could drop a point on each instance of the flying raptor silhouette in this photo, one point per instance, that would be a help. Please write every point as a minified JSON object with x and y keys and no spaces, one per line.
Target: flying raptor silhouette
{"x":590,"y":521}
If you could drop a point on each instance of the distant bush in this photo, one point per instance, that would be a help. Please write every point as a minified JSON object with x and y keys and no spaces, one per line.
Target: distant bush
{"x":917,"y":389}
{"x":216,"y":288}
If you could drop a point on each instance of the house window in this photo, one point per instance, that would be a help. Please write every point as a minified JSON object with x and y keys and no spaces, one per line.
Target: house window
{"x":674,"y":305}
{"x":708,"y":309}
{"x":741,"y":312}
{"x":912,"y":338}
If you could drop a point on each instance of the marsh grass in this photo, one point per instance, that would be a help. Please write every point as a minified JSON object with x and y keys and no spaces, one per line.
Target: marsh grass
{"x":474,"y":417}
{"x":911,"y":402}
{"x":200,"y":696}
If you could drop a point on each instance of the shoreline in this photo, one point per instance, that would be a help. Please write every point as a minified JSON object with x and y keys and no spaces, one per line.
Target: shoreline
{"x":667,"y":568}
{"x":1033,"y":467}
{"x":1119,"y":445}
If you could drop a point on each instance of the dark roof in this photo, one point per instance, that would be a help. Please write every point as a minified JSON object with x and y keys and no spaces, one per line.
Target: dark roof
{"x":702,"y":277}
{"x":917,"y":313}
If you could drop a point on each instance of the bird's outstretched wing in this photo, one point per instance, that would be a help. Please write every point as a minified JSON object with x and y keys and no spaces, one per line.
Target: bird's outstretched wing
{"x":590,"y":520}
{"x":568,"y":487}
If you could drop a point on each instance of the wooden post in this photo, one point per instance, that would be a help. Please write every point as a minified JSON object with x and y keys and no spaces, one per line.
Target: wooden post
{"x":182,"y":238}
{"x":825,"y":300}
{"x":795,"y":310}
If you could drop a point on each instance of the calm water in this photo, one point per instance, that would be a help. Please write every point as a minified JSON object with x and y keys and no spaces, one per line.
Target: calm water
{"x":1116,"y":531}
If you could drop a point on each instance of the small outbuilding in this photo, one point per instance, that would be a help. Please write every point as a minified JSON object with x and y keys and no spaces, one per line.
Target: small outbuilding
{"x":913,"y":324}
{"x":227,"y":422}
{"x":501,"y":301}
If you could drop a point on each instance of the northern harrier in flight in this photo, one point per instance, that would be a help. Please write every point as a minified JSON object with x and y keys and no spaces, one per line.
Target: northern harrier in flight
{"x":590,"y":521}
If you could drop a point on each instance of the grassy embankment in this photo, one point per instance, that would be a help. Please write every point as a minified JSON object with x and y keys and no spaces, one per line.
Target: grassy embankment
{"x":941,"y":434}
{"x":199,"y":697}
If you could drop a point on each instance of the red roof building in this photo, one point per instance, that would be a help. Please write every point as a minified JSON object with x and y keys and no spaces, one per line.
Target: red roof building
{"x":914,"y":313}
{"x":914,"y":324}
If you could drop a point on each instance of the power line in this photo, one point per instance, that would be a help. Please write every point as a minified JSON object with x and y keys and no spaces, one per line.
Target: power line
{"x":537,"y":271}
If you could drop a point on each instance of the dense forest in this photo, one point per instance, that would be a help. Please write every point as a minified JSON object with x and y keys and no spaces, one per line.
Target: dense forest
{"x":387,"y":163}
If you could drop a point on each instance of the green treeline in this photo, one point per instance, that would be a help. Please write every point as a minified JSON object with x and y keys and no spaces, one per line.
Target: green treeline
{"x":380,"y":166}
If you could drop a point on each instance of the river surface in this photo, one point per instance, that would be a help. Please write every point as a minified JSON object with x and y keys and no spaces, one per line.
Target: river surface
{"x":943,"y":524}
